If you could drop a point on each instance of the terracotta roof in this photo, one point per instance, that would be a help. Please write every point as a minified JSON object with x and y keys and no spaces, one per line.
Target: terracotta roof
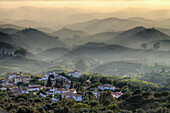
{"x":71,"y":94}
{"x":61,"y":89}
{"x":72,"y":90}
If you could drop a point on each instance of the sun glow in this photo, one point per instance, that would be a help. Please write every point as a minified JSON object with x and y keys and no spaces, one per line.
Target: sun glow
{"x":95,"y":5}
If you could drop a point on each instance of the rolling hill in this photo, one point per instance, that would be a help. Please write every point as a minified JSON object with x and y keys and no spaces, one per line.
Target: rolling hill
{"x":100,"y":37}
{"x":5,"y":38}
{"x":11,"y":26}
{"x":17,"y":64}
{"x":138,"y":35}
{"x":53,"y":53}
{"x":68,"y":33}
{"x":56,"y":68}
{"x":163,"y":30}
{"x":107,"y":24}
{"x":32,"y":39}
{"x":126,"y":67}
{"x":7,"y":47}
{"x":8,"y":30}
{"x":140,"y":19}
{"x":102,"y":52}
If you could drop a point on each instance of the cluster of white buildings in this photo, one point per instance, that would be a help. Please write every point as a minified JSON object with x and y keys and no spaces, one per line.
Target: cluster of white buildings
{"x":70,"y":94}
{"x":25,"y":89}
{"x":63,"y":88}
{"x":75,"y":73}
{"x":106,"y":87}
{"x":19,"y":78}
{"x":114,"y":94}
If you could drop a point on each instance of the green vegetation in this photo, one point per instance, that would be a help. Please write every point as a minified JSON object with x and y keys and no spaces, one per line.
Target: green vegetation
{"x":159,"y":78}
{"x":136,"y":100}
{"x":21,"y":64}
{"x":57,"y":68}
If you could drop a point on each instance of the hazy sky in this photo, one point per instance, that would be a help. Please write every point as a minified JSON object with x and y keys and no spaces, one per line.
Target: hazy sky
{"x":100,"y":5}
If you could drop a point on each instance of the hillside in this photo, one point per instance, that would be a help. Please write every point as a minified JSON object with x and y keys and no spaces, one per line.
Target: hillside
{"x":136,"y":36}
{"x":107,"y":24}
{"x":7,"y":47}
{"x":100,"y":37}
{"x":126,"y":67}
{"x":68,"y":33}
{"x":57,"y":69}
{"x":101,"y":52}
{"x":53,"y":53}
{"x":45,"y":29}
{"x":5,"y":38}
{"x":159,"y":78}
{"x":32,"y":39}
{"x":163,"y":30}
{"x":12,"y":26}
{"x":164,"y":44}
{"x":140,"y":19}
{"x":17,"y":64}
{"x":8,"y":30}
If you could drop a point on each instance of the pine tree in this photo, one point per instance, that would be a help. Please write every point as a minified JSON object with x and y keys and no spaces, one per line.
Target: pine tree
{"x":71,"y":85}
{"x":49,"y":84}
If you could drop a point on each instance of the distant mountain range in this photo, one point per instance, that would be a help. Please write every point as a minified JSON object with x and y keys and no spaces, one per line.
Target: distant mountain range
{"x":103,"y":25}
{"x":11,"y":26}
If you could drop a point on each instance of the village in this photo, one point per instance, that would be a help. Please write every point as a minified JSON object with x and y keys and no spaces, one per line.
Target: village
{"x":62,"y":88}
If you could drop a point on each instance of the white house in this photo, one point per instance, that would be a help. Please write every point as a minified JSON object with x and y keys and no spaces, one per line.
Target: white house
{"x":61,"y":90}
{"x":14,"y":75}
{"x":24,"y":79}
{"x":54,"y":100}
{"x":74,"y":73}
{"x":34,"y":87}
{"x":67,"y":85}
{"x":117,"y":94}
{"x":106,"y":87}
{"x":43,"y":95}
{"x":77,"y":97}
{"x":24,"y":90}
{"x":3,"y":88}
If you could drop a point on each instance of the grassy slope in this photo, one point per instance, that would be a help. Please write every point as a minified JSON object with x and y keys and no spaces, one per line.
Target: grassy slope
{"x":129,"y":80}
{"x":159,"y":78}
{"x":11,"y":64}
{"x":126,"y":67}
{"x":57,"y":68}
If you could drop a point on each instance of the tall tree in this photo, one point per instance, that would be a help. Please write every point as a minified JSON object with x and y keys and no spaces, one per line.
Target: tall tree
{"x":49,"y":84}
{"x":106,"y":98}
{"x":71,"y":85}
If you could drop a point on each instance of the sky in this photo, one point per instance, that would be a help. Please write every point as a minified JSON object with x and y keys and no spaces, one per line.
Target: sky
{"x":100,"y":5}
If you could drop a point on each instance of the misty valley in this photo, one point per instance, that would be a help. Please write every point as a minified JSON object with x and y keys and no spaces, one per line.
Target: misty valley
{"x":84,"y":63}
